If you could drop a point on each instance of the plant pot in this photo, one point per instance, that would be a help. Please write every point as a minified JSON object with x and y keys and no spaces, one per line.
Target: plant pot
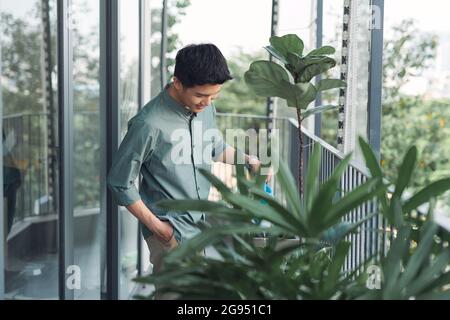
{"x":261,"y":242}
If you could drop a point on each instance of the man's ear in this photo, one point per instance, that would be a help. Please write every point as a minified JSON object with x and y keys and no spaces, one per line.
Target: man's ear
{"x":177,"y":83}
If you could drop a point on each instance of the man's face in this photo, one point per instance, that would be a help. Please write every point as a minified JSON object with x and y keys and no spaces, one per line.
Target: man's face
{"x":198,"y":98}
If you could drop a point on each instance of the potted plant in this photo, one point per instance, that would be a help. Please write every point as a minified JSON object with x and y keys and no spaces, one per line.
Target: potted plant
{"x":293,"y":81}
{"x":415,"y":266}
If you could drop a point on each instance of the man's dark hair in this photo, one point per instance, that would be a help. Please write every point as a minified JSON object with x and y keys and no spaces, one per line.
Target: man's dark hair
{"x":201,"y":64}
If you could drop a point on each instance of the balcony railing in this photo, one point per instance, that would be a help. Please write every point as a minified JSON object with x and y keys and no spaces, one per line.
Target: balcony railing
{"x":34,"y":198}
{"x":370,"y":241}
{"x":29,"y":154}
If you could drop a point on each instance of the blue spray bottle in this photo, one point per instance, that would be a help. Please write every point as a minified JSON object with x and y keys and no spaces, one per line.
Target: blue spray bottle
{"x":269,"y":191}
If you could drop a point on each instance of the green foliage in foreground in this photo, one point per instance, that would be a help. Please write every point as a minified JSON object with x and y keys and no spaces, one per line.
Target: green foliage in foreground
{"x":310,"y":264}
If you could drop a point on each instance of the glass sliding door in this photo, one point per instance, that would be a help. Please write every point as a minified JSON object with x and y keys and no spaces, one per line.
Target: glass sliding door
{"x":129,"y":106}
{"x":30,"y":143}
{"x":88,"y":219}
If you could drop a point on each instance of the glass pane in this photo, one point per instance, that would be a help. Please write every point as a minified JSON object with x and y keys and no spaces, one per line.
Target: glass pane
{"x":295,"y":17}
{"x":128,"y":102}
{"x":416,"y":90}
{"x":155,"y":42}
{"x":30,"y":139}
{"x":333,"y":12}
{"x":88,"y":230}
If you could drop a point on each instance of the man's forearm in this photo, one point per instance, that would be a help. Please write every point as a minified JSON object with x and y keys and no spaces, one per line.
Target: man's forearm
{"x":228,"y":156}
{"x":252,"y":162}
{"x":162,"y":230}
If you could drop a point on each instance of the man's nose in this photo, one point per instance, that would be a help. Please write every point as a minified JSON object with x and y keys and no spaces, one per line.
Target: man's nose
{"x":207,"y":101}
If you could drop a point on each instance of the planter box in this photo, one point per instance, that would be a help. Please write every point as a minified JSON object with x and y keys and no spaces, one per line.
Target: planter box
{"x":261,"y":242}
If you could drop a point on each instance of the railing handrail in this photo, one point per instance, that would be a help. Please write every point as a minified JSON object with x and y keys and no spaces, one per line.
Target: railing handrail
{"x":42,"y":113}
{"x":252,"y":116}
{"x":24,"y":114}
{"x":355,"y":164}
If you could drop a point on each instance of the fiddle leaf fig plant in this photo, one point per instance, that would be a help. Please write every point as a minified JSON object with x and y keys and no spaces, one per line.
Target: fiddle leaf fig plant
{"x":293,"y":81}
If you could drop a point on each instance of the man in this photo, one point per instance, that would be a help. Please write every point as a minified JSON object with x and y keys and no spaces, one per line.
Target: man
{"x":169,"y":168}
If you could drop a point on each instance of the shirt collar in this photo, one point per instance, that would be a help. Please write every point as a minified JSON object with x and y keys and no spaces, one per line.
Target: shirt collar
{"x":175,"y":105}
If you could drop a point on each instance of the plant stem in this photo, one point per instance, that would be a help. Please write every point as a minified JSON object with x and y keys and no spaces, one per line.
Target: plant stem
{"x":300,"y":153}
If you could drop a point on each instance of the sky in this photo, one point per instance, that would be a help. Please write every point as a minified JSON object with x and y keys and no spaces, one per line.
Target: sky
{"x":233,"y":24}
{"x":431,"y":15}
{"x":227,"y":24}
{"x":240,"y":23}
{"x":246,"y":23}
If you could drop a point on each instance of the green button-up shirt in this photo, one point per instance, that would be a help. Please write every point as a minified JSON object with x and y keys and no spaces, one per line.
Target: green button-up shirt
{"x":167,"y":144}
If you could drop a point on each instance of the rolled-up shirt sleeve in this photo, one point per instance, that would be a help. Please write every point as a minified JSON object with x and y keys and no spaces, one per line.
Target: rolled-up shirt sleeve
{"x":133,"y":151}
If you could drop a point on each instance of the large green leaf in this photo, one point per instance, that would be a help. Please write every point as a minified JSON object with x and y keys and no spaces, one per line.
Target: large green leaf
{"x":370,"y":159}
{"x":436,"y":295}
{"x":295,"y":65}
{"x":212,"y":235}
{"x":426,"y":280}
{"x":338,"y":232}
{"x":295,"y":61}
{"x":315,"y":69}
{"x":431,"y":191}
{"x":312,"y":178}
{"x":274,"y":52}
{"x":329,"y":84}
{"x":309,"y":61}
{"x":261,"y":211}
{"x":350,"y":201}
{"x":395,"y":212}
{"x":319,"y":263}
{"x":289,"y":187}
{"x":287,"y":43}
{"x":196,"y":205}
{"x":319,"y":109}
{"x":406,"y":171}
{"x":335,"y":267}
{"x":216,"y":182}
{"x":303,"y":94}
{"x":421,"y":254}
{"x":439,"y":282}
{"x":267,"y":79}
{"x":309,"y":94}
{"x":393,"y":263}
{"x":325,"y":50}
{"x":240,"y":175}
{"x":218,"y":208}
{"x":324,"y":199}
{"x":294,"y":219}
{"x":375,"y":171}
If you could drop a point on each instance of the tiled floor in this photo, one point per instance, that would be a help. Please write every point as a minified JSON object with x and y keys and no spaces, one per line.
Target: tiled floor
{"x":35,"y":279}
{"x":38,"y":277}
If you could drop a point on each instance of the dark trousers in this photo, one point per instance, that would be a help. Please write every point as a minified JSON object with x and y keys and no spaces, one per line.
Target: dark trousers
{"x":11,"y":184}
